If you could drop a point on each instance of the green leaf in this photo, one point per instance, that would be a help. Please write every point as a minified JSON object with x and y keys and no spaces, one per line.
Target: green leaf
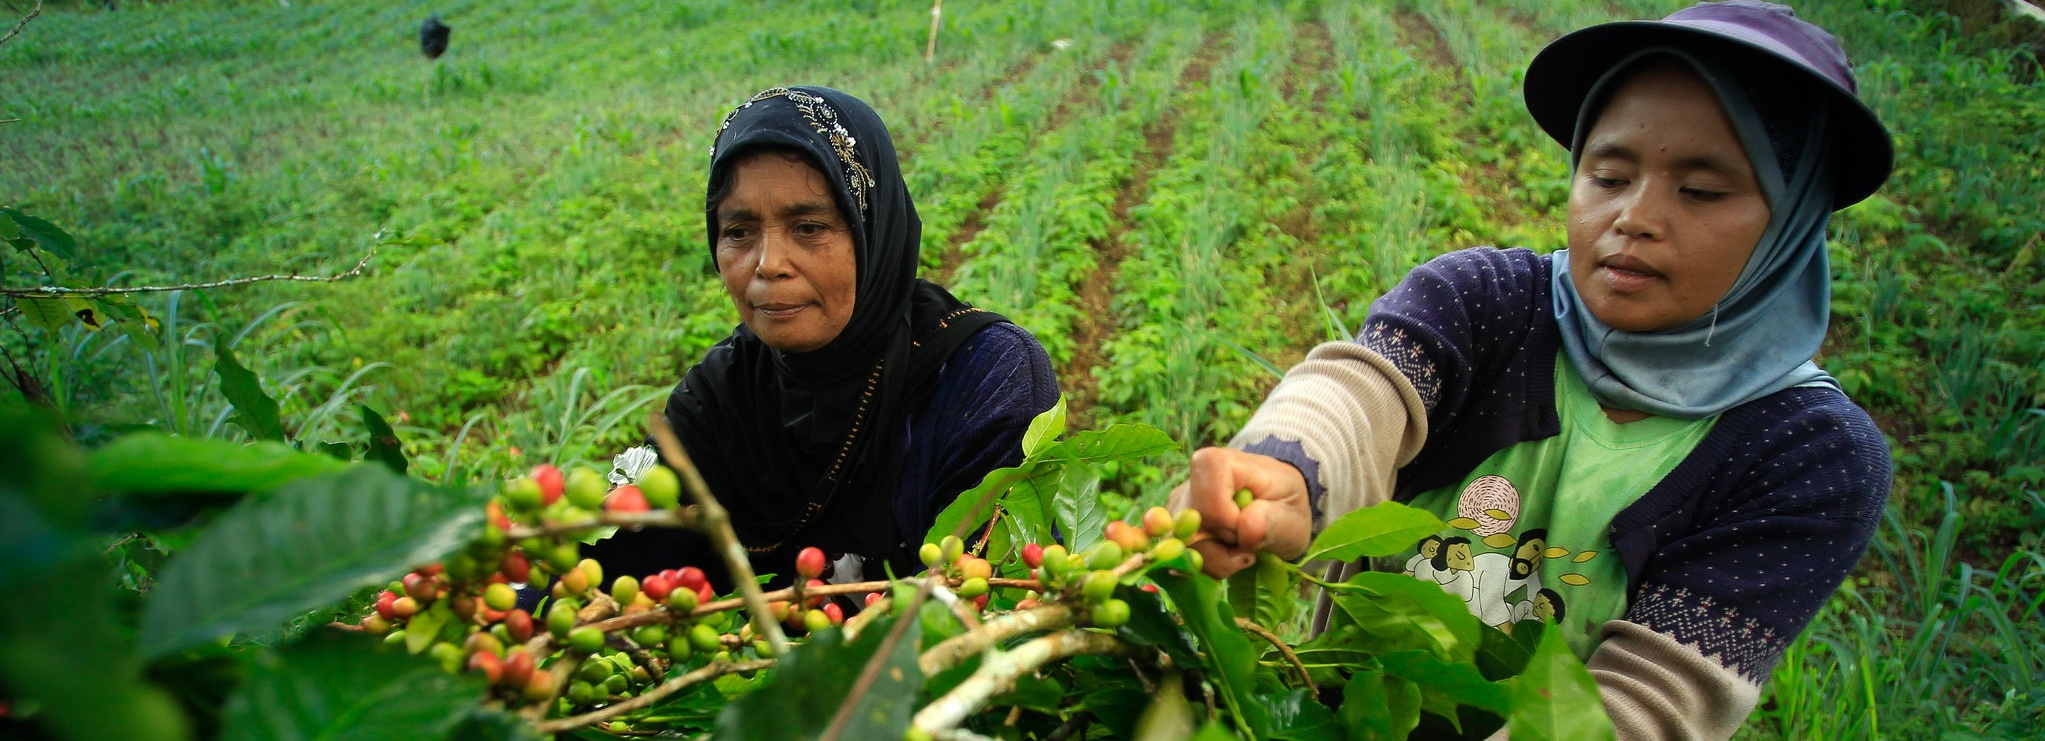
{"x":62,"y":643}
{"x":133,"y":321}
{"x":1500,"y":655}
{"x":49,"y":313}
{"x":809,"y":686}
{"x":1077,"y":507}
{"x":46,"y":235}
{"x":1151,"y":624}
{"x":155,"y":463}
{"x":1231,"y":661}
{"x":1118,"y":708}
{"x":255,"y":411}
{"x":977,"y":502}
{"x":309,"y":544}
{"x":1299,"y":716}
{"x":1168,"y":716}
{"x":1398,"y":612}
{"x":1264,"y":591}
{"x":1373,"y":532}
{"x":1458,"y":681}
{"x":336,"y":688}
{"x":1117,"y":442}
{"x":1366,"y":707}
{"x":497,"y":725}
{"x":1555,"y":699}
{"x":1045,"y":428}
{"x":383,"y":443}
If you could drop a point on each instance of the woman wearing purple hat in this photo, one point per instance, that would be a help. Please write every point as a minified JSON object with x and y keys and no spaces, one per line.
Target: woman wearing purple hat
{"x":1629,"y":436}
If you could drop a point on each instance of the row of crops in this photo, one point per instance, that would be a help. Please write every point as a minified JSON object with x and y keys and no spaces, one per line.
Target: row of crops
{"x":1178,"y":199}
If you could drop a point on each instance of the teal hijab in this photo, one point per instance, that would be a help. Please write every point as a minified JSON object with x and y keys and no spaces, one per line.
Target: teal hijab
{"x":1761,"y":337}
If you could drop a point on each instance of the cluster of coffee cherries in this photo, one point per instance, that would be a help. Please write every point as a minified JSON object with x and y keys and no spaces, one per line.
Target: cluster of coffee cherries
{"x":471,"y":599}
{"x":1091,"y":573}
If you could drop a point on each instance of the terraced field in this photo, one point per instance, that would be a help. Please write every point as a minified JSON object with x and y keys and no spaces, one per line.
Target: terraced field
{"x":1178,"y":199}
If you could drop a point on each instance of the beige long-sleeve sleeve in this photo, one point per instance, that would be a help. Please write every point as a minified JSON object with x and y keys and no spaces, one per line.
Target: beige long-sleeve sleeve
{"x":1353,"y":414}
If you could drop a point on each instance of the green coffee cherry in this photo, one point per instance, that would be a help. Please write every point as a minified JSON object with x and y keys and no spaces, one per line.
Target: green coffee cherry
{"x":522,"y":494}
{"x":705,"y":638}
{"x":1168,"y":549}
{"x":1105,"y":555}
{"x":585,"y":488}
{"x":624,"y":590}
{"x":1186,"y":524}
{"x":953,"y":547}
{"x":1099,"y":585}
{"x":500,"y":597}
{"x":1055,"y":560}
{"x":682,"y":601}
{"x":561,"y":619}
{"x":1244,"y":498}
{"x":650,"y":635}
{"x":662,"y":489}
{"x":1111,"y":614}
{"x":972,"y":587}
{"x":931,"y":554}
{"x":585,"y":640}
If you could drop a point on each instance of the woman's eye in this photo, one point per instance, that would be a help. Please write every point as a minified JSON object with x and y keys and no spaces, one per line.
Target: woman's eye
{"x":736,"y":234}
{"x":1703,"y":195}
{"x":1605,"y":182}
{"x":810,"y":229}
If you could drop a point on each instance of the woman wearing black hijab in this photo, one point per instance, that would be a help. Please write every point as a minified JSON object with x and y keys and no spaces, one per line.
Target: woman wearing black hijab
{"x":855,"y":401}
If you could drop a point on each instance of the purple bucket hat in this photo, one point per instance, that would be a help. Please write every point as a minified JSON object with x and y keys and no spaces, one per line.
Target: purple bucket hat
{"x":1562,"y":75}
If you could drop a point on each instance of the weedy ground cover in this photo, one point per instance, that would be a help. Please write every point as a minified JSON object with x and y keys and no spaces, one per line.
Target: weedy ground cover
{"x":1232,"y":181}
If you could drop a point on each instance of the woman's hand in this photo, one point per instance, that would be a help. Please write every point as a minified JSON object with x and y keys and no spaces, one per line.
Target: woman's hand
{"x":1279,"y":519}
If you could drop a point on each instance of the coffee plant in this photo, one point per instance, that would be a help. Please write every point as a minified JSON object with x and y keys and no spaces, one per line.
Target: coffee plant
{"x":319,"y":598}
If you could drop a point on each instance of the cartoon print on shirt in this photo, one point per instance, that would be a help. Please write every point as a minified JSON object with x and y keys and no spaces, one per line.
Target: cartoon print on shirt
{"x":1454,"y":568}
{"x":1421,"y":565}
{"x":1488,"y":506}
{"x":1499,"y":586}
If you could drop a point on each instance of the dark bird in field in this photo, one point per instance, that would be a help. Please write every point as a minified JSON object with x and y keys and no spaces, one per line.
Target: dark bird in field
{"x":433,"y":37}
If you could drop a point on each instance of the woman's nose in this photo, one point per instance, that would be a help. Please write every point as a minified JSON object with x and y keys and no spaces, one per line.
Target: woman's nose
{"x":776,"y":255}
{"x":1643,"y":214}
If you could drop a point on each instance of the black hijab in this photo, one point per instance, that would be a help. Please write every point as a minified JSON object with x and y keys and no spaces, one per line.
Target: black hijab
{"x":796,"y":444}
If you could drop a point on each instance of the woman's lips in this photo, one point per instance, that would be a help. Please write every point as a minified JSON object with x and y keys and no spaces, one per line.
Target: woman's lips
{"x":780,"y":311}
{"x":1626,"y":274}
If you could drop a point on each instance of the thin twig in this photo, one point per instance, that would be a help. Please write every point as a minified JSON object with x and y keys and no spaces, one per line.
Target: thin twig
{"x":32,"y":13}
{"x":869,"y":673}
{"x":712,"y":520}
{"x":713,"y":671}
{"x":1306,"y":680}
{"x":999,"y":672}
{"x":956,"y":649}
{"x":1078,"y":722}
{"x":680,"y":517}
{"x":56,"y":291}
{"x":936,"y":19}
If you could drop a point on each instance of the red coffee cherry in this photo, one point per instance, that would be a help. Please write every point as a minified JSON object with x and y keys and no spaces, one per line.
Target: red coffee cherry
{"x":627,"y":498}
{"x":810,"y":562}
{"x":550,"y":481}
{"x":1033,"y":555}
{"x":656,"y":587}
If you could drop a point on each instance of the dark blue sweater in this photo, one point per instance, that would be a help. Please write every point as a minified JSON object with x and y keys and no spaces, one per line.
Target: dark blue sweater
{"x":1732,"y":552}
{"x":972,"y":423}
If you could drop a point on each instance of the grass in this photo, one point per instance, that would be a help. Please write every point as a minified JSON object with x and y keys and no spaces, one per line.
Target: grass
{"x":1169,"y":194}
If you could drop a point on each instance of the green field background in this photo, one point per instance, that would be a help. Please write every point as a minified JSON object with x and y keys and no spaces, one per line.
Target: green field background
{"x":1178,"y":199}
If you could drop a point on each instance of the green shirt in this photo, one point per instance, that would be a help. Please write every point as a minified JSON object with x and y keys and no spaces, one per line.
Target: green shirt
{"x":1527,"y":528}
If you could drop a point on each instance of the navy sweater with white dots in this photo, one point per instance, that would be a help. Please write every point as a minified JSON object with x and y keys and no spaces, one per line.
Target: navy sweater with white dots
{"x":1732,"y":552}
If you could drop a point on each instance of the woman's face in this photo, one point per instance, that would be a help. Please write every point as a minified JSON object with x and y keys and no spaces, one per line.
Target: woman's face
{"x":786,"y":253}
{"x":1664,"y":209}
